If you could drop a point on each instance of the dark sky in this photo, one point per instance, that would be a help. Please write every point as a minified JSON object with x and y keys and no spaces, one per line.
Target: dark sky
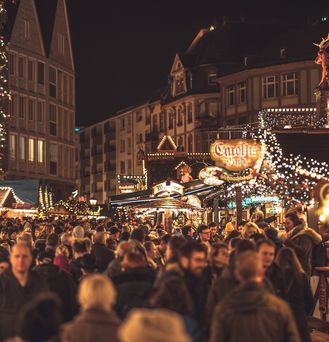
{"x":123,"y":50}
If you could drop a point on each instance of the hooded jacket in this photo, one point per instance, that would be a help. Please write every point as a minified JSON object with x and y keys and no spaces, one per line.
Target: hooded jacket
{"x":302,"y":239}
{"x":251,"y":313}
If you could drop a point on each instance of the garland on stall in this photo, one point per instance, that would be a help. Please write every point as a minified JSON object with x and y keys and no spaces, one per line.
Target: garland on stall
{"x":46,"y":199}
{"x":291,"y":178}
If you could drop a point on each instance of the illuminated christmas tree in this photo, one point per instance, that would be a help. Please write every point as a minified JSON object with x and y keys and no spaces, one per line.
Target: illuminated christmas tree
{"x":4,"y":90}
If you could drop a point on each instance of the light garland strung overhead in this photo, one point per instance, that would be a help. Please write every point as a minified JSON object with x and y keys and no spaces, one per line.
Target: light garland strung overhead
{"x":293,"y":178}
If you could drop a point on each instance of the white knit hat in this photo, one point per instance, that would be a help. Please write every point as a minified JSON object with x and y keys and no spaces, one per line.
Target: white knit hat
{"x":159,"y":325}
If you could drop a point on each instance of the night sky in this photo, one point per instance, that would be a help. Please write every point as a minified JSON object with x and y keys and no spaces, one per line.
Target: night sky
{"x":124,"y":50}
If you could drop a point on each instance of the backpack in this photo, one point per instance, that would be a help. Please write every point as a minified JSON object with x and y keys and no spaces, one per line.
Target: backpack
{"x":320,"y":254}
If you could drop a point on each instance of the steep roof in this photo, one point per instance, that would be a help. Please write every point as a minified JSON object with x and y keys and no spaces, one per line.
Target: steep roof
{"x":228,"y":44}
{"x":46,"y":14}
{"x":12,"y":9}
{"x":46,"y":10}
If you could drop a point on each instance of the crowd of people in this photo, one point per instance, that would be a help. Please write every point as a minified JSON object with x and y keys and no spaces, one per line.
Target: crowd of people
{"x":72,"y":280}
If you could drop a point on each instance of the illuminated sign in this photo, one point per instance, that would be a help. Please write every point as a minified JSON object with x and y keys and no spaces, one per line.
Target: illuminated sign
{"x":167,"y":188}
{"x":211,"y":175}
{"x":248,"y":201}
{"x":237,"y":154}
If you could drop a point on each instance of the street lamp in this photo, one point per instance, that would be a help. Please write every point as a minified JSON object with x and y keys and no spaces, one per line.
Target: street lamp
{"x":93,"y":202}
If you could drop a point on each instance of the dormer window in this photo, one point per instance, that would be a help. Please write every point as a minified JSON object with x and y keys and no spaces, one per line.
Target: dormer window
{"x":245,"y":61}
{"x":179,"y":84}
{"x":212,"y":76}
{"x":283,"y":53}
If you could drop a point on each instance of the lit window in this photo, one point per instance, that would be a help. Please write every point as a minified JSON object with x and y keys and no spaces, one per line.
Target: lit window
{"x":171,"y":119}
{"x":40,"y":151}
{"x":31,"y":149}
{"x":12,"y":146}
{"x":289,"y":84}
{"x":270,"y":87}
{"x":21,"y":148}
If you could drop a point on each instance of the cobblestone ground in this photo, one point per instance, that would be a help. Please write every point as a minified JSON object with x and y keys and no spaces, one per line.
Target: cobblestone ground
{"x":319,"y":337}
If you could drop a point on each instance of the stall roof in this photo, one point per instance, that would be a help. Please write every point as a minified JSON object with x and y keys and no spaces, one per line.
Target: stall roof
{"x":26,"y":189}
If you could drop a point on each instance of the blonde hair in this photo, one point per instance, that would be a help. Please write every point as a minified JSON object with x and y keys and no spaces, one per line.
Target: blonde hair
{"x":62,"y":250}
{"x":97,"y":292}
{"x":250,"y":225}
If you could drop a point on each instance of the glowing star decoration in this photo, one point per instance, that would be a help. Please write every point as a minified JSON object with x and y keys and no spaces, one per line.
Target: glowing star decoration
{"x":237,"y":154}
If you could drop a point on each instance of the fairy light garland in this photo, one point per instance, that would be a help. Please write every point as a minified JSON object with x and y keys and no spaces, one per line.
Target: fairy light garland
{"x":292,"y":178}
{"x":4,"y":90}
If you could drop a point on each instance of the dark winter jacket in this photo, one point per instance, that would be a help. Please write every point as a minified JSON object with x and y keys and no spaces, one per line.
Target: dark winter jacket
{"x":61,"y":284}
{"x":102,"y":255}
{"x":302,"y":239}
{"x":13,"y":296}
{"x":92,"y":325}
{"x":301,"y":300}
{"x":134,"y":288}
{"x":75,"y":269}
{"x":275,"y":277}
{"x":198,"y":288}
{"x":250,"y":313}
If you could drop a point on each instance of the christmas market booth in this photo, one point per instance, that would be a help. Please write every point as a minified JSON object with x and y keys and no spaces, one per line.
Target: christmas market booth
{"x":171,"y":212}
{"x":18,"y":198}
{"x":269,"y":165}
{"x":168,"y":204}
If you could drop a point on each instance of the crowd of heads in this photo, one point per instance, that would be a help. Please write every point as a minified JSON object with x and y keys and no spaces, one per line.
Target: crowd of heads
{"x":104,"y":260}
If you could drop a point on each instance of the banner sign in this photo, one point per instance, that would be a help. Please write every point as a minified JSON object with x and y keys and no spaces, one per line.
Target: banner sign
{"x":237,"y":154}
{"x":167,"y":188}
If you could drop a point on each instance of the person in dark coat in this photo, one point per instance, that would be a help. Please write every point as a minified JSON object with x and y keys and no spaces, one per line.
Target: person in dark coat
{"x":18,"y":285}
{"x":227,"y":281}
{"x":273,"y":273}
{"x":79,"y":250}
{"x":101,"y":253}
{"x":40,"y":319}
{"x":251,"y":313}
{"x":193,"y":261}
{"x":301,"y":239}
{"x":299,"y":293}
{"x":134,"y":284}
{"x":58,"y":282}
{"x":97,"y":320}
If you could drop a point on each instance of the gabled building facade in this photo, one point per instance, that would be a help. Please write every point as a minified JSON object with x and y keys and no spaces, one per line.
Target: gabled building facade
{"x":225,"y":77}
{"x":41,"y":82}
